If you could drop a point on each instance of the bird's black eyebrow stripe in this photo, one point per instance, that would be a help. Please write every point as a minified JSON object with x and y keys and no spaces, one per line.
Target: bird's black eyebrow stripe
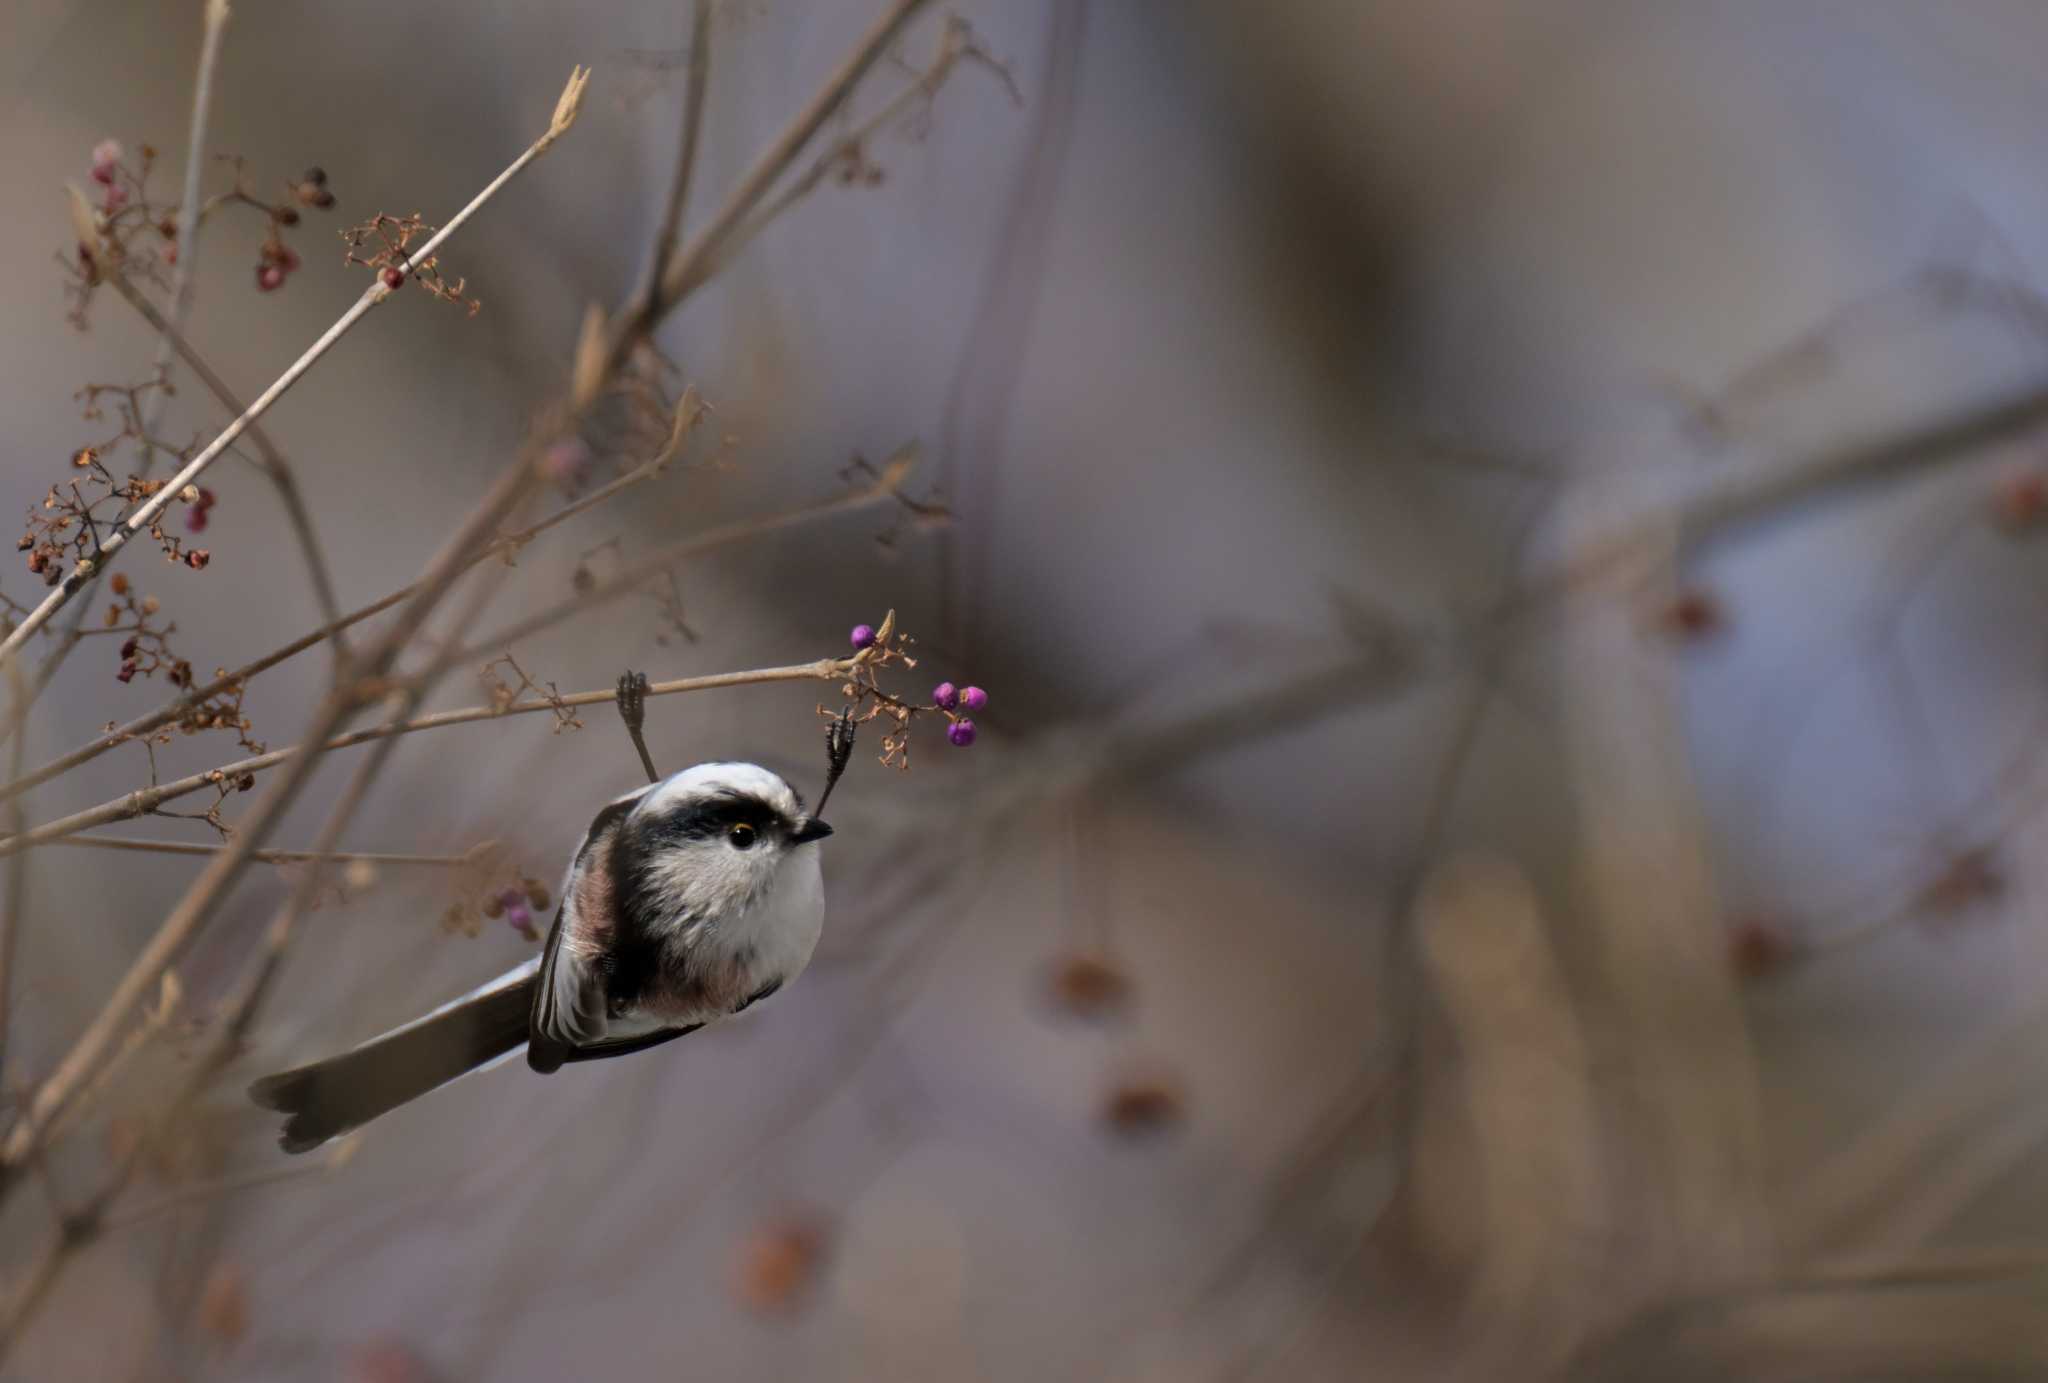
{"x":715,"y":815}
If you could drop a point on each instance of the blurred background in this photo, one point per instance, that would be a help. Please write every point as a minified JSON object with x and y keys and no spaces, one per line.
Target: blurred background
{"x":1504,"y":542}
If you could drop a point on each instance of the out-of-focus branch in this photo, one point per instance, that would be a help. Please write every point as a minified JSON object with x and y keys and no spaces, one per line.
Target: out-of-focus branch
{"x":686,"y":270}
{"x":955,"y":44}
{"x":664,"y":248}
{"x":183,"y":847}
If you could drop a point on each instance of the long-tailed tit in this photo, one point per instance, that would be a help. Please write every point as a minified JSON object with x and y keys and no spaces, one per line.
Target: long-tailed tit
{"x":687,"y":901}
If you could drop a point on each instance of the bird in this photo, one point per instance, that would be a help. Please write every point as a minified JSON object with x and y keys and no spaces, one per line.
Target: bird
{"x":688,"y":900}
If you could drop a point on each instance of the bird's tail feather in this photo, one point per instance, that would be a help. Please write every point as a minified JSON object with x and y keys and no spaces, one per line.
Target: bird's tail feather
{"x":328,"y":1098}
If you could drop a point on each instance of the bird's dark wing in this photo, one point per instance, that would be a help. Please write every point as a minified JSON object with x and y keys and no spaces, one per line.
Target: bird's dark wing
{"x":626,"y":1046}
{"x":569,"y":992}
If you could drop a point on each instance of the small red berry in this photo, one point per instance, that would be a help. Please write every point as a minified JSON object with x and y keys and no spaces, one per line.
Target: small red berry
{"x":393,"y":276}
{"x":1694,"y":614}
{"x":2020,"y":501}
{"x":269,"y":277}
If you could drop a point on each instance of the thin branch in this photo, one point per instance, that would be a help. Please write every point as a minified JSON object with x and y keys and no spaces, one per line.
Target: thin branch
{"x":218,"y":1186}
{"x":143,"y":801}
{"x":274,"y":464}
{"x":686,"y":161}
{"x":688,"y":268}
{"x":887,"y":486}
{"x":17,"y":870}
{"x":376,"y":293}
{"x":954,"y":45}
{"x":182,"y":847}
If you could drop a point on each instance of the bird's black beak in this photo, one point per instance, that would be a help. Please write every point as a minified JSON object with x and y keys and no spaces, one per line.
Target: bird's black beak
{"x":812,"y":829}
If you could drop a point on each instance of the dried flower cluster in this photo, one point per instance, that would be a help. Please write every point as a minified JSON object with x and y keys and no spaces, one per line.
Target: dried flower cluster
{"x":127,"y":232}
{"x":388,"y":241}
{"x":503,"y":693}
{"x":77,"y":511}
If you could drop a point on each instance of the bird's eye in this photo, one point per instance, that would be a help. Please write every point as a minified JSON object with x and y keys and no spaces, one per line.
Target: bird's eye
{"x":741,"y":836}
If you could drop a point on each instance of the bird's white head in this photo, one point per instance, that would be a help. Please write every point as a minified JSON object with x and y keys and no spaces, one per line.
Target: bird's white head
{"x":715,"y":839}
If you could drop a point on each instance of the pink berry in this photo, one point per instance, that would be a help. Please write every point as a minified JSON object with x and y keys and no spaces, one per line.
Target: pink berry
{"x":103,"y":173}
{"x":393,"y":277}
{"x":973,"y":698}
{"x":946,"y":695}
{"x":961,"y":732}
{"x":567,"y":462}
{"x":269,"y":277}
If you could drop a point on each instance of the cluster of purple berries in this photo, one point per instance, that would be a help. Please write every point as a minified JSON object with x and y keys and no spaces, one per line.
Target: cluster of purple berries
{"x":945,"y":696}
{"x":950,"y":698}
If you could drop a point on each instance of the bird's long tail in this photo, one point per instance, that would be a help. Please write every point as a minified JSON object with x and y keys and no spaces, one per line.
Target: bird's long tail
{"x":328,"y":1098}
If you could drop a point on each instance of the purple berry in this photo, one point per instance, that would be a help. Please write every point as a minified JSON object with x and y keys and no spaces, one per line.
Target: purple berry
{"x":961,"y":732}
{"x":518,"y":916}
{"x":863,"y":635}
{"x":946,"y":694}
{"x":974,"y":698}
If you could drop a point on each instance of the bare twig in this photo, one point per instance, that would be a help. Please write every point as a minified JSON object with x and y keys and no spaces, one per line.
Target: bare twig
{"x":183,"y":847}
{"x":17,"y":871}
